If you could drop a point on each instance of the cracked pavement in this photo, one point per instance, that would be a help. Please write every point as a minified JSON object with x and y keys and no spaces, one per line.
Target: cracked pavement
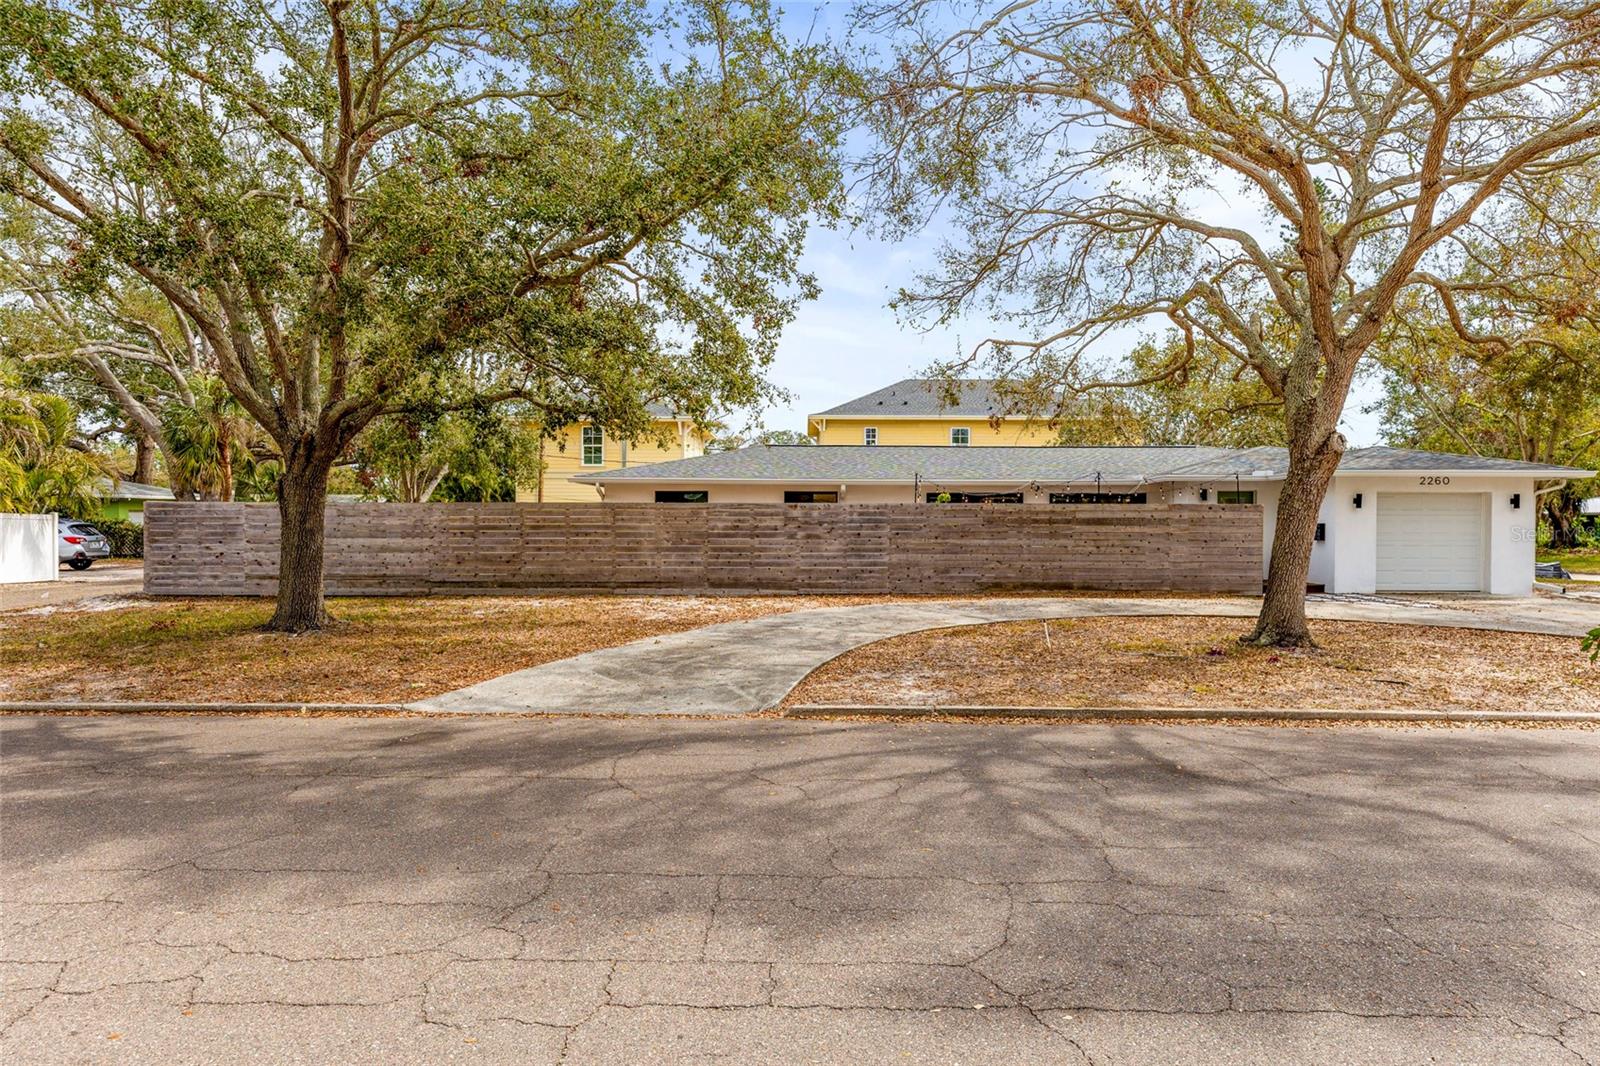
{"x":599,"y":891}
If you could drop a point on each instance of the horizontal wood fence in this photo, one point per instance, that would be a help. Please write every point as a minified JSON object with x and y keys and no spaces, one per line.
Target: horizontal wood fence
{"x":383,"y":549}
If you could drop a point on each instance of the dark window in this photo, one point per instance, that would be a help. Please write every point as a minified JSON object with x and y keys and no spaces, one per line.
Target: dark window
{"x":1097,"y":497}
{"x":1322,"y":531}
{"x":1235,"y":496}
{"x":810,"y":497}
{"x":690,"y":496}
{"x":974,"y":497}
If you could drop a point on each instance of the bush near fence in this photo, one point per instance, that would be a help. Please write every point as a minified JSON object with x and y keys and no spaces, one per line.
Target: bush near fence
{"x":126,"y":538}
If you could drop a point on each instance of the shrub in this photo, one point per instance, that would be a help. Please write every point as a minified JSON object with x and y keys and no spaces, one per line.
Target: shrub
{"x":126,"y":538}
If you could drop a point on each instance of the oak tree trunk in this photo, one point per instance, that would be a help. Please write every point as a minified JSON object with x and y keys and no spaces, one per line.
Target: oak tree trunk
{"x":302,"y":500}
{"x":1312,"y":402}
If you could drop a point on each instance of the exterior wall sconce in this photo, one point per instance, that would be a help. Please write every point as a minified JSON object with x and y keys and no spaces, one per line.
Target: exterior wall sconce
{"x":1358,"y":501}
{"x":1516,"y":501}
{"x":1322,"y":531}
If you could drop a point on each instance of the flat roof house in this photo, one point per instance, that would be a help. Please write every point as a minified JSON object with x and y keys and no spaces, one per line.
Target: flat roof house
{"x":1393,"y":521}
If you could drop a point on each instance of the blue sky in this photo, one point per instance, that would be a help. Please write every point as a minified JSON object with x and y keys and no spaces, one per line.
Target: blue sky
{"x":849,"y":342}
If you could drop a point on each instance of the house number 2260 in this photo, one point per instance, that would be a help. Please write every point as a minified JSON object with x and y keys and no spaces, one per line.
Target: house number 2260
{"x":1433,"y":481}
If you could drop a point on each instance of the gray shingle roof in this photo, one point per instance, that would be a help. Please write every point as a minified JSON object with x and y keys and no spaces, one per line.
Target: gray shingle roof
{"x":923,"y":396}
{"x":132,"y":490}
{"x":1246,"y":461}
{"x":1019,"y":465}
{"x":849,"y":462}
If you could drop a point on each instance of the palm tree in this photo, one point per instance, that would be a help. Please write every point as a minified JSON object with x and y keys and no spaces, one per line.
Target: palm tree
{"x":202,"y":439}
{"x":40,"y":469}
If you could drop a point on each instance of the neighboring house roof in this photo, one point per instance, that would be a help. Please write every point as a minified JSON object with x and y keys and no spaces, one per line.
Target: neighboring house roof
{"x":940,"y":463}
{"x":133,"y":490}
{"x":923,"y":397}
{"x":1274,"y":463}
{"x":852,"y":462}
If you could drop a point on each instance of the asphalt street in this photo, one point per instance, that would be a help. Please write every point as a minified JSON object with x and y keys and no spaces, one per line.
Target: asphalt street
{"x":182,"y":890}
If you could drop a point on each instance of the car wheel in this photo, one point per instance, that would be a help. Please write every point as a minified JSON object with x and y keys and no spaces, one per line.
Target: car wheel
{"x":80,"y":564}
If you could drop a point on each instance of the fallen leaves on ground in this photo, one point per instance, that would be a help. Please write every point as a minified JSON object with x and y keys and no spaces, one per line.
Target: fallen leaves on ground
{"x":379,"y":650}
{"x":1198,"y":662}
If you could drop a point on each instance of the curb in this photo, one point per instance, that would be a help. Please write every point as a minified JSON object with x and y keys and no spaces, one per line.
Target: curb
{"x":158,"y":707}
{"x":822,"y":711}
{"x":1249,"y":714}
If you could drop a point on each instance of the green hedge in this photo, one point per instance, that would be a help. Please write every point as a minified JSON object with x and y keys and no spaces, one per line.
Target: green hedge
{"x":126,"y":538}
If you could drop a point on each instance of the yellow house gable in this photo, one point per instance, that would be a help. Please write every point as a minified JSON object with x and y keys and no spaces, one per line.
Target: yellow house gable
{"x":980,"y":431}
{"x":586,"y":449}
{"x":923,"y":411}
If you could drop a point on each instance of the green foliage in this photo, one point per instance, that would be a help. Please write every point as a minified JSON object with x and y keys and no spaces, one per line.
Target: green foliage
{"x":256,"y":480}
{"x":787,"y":437}
{"x":501,"y":170}
{"x":1591,"y":644}
{"x":203,"y":437}
{"x":125,"y":538}
{"x":1511,"y":366}
{"x":478,"y":453}
{"x":1209,"y":401}
{"x":40,"y":470}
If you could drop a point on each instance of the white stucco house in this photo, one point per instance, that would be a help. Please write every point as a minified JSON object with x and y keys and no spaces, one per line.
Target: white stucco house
{"x":1393,"y":520}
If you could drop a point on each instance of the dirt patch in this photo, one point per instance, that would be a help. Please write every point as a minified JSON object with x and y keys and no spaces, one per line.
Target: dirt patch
{"x":381,"y":651}
{"x":1198,"y":662}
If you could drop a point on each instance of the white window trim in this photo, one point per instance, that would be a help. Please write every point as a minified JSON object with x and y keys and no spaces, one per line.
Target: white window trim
{"x":960,"y":429}
{"x":869,"y":435}
{"x":584,"y":446}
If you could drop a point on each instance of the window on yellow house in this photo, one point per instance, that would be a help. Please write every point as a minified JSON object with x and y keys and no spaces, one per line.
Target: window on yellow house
{"x":594,"y":446}
{"x":869,"y":435}
{"x":960,"y":436}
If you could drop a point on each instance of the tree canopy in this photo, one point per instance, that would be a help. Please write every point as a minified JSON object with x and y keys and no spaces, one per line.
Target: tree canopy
{"x":344,"y":202}
{"x":1506,"y":361}
{"x":1264,"y":179}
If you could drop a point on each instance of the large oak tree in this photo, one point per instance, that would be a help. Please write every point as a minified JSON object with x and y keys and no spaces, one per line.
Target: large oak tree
{"x":1268,"y":178}
{"x":345,"y":201}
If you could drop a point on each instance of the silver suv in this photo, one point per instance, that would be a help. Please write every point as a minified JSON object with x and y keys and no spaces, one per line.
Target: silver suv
{"x":78,"y":544}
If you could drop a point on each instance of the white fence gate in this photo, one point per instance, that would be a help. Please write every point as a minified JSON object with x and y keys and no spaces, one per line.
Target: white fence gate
{"x":27,"y":548}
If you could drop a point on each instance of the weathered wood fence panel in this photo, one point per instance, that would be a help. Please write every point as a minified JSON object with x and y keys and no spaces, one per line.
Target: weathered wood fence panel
{"x":380,"y":549}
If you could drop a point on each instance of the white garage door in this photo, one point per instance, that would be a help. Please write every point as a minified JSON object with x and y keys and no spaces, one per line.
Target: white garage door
{"x":1430,"y":542}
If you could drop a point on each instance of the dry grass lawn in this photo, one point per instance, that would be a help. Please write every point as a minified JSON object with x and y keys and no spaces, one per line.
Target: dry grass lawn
{"x":1197,"y":662}
{"x":381,"y":651}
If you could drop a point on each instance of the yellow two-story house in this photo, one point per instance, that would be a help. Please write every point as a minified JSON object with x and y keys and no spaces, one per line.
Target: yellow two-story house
{"x":587,"y":449}
{"x":914,"y":411}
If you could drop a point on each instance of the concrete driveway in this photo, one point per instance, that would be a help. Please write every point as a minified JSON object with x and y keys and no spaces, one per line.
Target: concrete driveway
{"x":743,"y":667}
{"x":765,"y":891}
{"x":119,"y":578}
